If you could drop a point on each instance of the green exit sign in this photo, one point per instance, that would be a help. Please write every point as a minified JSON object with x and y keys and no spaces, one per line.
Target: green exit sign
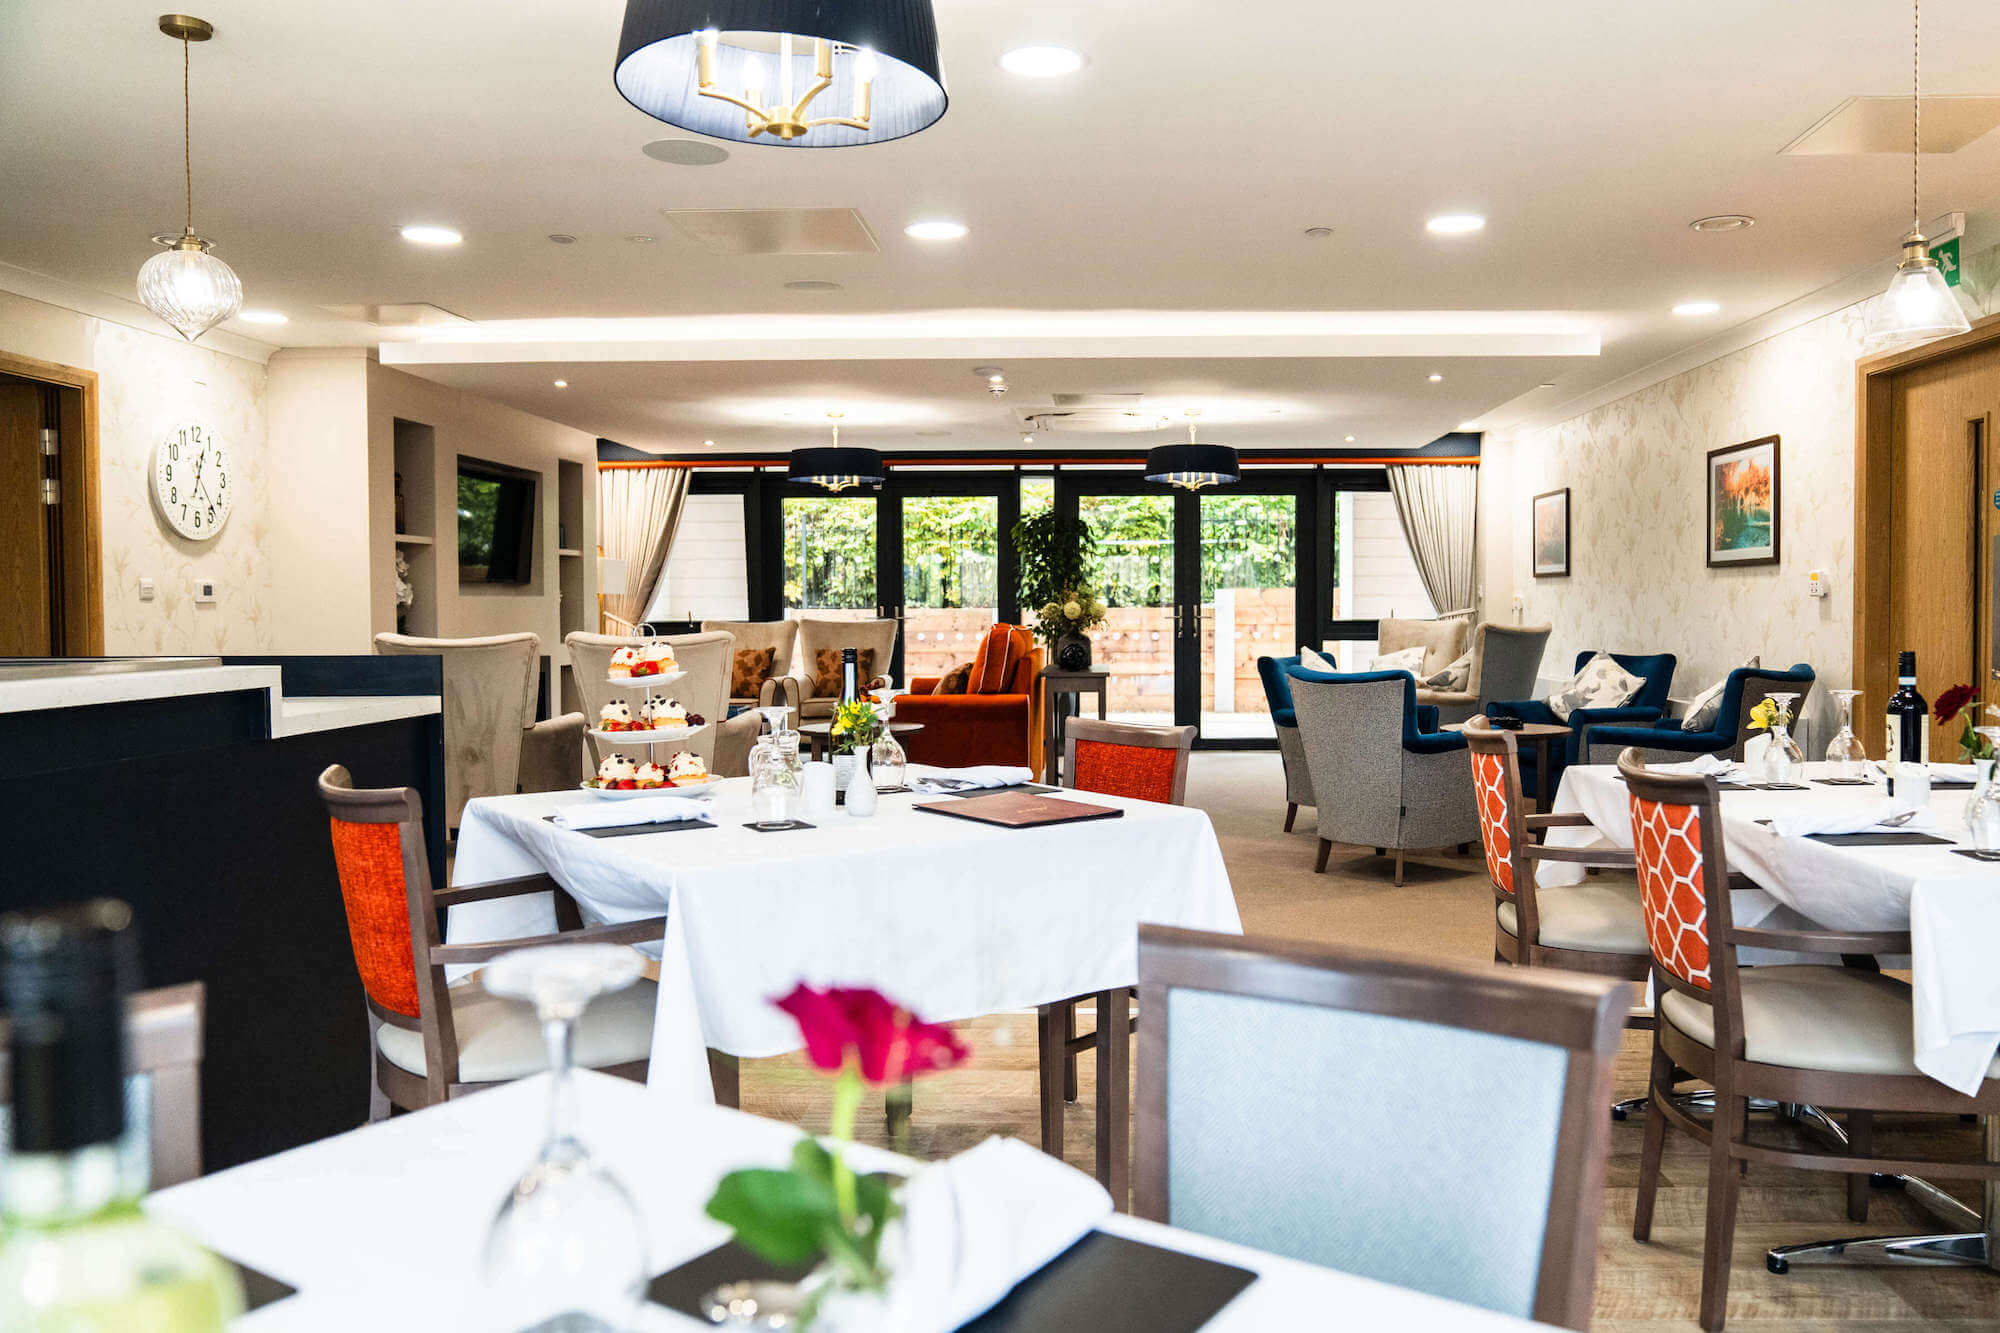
{"x":1946,"y":255}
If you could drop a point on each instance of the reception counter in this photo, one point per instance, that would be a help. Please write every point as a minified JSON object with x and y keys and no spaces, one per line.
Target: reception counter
{"x":187,"y":787}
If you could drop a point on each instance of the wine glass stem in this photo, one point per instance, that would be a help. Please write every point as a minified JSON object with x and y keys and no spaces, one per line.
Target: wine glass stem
{"x":556,"y":1037}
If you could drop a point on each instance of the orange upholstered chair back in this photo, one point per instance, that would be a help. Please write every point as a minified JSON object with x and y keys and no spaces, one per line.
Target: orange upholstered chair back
{"x":1496,"y":794}
{"x":1118,"y":759}
{"x":377,"y":838}
{"x":1003,"y":648}
{"x":1677,"y":841}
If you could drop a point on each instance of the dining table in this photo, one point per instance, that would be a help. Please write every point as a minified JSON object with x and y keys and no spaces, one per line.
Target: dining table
{"x":1926,"y":882}
{"x":383,"y":1226}
{"x":951,"y":918}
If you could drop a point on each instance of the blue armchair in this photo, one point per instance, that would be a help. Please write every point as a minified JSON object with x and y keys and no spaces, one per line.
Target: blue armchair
{"x":1382,"y":773}
{"x":1656,"y":669}
{"x":1291,"y":750}
{"x":1663,"y":741}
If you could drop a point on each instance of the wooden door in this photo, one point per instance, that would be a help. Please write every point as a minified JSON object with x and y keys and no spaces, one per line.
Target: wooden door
{"x":25,"y":628}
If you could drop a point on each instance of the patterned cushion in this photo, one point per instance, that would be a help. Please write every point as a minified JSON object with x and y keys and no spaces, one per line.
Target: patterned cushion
{"x":1454,"y":677}
{"x":750,"y":669}
{"x":1489,"y":793}
{"x":1667,"y":841}
{"x":1317,"y":661}
{"x":826,"y":671}
{"x":1142,"y":772}
{"x":953,"y":681}
{"x":993,"y":666}
{"x":1403,"y":659}
{"x":369,"y":861}
{"x":1701,"y":709}
{"x":1601,"y":684}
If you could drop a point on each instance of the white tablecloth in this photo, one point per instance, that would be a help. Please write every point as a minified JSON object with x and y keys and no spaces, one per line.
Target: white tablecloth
{"x":382,"y":1227}
{"x":1950,"y":904}
{"x":952,"y":918}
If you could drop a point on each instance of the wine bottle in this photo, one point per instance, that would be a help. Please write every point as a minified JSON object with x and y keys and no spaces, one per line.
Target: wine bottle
{"x":850,"y":676}
{"x":1909,"y":722}
{"x":76,"y":1252}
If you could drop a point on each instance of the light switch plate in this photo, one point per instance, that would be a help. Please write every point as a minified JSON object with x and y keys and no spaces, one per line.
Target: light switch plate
{"x":204,"y":591}
{"x":146,"y":590}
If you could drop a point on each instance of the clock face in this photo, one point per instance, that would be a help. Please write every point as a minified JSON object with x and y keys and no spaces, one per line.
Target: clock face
{"x":191,"y":482}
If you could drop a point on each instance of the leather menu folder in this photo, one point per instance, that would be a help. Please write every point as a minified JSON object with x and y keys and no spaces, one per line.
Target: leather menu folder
{"x":1018,"y":809}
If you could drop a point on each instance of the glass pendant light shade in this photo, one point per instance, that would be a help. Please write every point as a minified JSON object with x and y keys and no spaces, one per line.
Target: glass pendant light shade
{"x":190,"y":288}
{"x":1917,"y":307}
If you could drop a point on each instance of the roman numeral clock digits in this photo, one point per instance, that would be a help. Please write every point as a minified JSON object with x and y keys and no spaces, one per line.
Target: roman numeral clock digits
{"x":191,"y":482}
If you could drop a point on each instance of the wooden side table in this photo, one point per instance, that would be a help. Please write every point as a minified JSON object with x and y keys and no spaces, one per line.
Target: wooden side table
{"x":1057,"y":683}
{"x":1538,"y":736}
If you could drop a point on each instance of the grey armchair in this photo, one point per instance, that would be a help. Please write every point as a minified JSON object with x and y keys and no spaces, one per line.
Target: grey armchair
{"x":1382,"y":775}
{"x":492,"y":744}
{"x":1506,"y":660}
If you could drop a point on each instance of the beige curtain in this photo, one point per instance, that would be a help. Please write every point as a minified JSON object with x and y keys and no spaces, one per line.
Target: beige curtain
{"x":638,"y":510}
{"x":1439,"y":504}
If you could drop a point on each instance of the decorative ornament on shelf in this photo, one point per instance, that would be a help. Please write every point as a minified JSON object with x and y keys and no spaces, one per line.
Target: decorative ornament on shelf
{"x":185,"y":285}
{"x":818,"y":1211}
{"x":406,"y":593}
{"x":1918,"y":306}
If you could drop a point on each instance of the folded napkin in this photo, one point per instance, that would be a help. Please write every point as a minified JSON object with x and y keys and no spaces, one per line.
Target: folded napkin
{"x":939,"y":780}
{"x":1953,"y":772}
{"x":1702,"y":765}
{"x":644,"y":810}
{"x":1868,"y":820}
{"x":974,"y":1225}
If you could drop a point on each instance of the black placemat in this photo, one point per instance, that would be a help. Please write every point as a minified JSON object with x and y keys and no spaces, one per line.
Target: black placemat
{"x":259,"y":1289}
{"x":1884,"y":839}
{"x":1952,"y":784}
{"x":1845,"y":782}
{"x":788,"y":826}
{"x":1101,"y":1284}
{"x":632,"y":830}
{"x":1968,"y":852}
{"x":1777,"y":786}
{"x":1036,"y":787}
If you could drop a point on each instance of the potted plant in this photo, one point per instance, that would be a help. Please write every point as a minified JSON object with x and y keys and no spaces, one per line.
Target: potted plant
{"x":1066,"y":621}
{"x":1054,"y":553}
{"x":856,"y":724}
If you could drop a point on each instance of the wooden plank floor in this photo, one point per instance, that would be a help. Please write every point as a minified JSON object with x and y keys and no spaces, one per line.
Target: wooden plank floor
{"x":1443,"y":910}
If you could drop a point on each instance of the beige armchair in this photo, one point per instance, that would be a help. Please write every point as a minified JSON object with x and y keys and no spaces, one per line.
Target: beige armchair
{"x":817,"y":636}
{"x":1506,"y":659}
{"x":1443,"y":641}
{"x":706,"y":657}
{"x":754,"y":635}
{"x":492,"y":744}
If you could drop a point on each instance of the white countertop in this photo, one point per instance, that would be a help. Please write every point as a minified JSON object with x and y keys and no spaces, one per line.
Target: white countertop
{"x":289,"y":717}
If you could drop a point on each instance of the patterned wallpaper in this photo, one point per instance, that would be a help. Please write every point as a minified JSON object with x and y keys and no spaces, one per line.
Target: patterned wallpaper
{"x":147,"y":385}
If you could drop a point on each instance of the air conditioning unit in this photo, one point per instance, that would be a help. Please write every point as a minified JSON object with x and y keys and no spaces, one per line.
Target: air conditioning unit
{"x":1095,"y":414}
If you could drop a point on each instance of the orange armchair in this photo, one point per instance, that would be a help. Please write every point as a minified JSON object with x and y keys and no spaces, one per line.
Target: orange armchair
{"x":962,"y":729}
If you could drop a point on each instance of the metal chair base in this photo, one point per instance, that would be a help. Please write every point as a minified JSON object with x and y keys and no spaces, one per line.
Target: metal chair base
{"x":1967,"y":1248}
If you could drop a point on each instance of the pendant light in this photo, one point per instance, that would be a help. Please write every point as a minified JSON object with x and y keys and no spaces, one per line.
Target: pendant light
{"x":1192,"y":466}
{"x":1918,"y":306}
{"x":835,"y":468}
{"x":796,"y":73}
{"x":185,"y":285}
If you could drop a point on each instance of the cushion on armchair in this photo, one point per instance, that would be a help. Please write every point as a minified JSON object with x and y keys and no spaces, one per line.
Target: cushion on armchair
{"x":1454,"y":677}
{"x":748,"y":671}
{"x":953,"y":681}
{"x":1314,"y":660}
{"x":1601,"y":683}
{"x":1703,"y":708}
{"x":826,"y":671}
{"x":993,"y":665}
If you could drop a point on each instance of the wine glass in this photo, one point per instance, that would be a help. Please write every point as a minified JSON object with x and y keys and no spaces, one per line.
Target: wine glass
{"x":1782,"y":756}
{"x":567,"y":1251}
{"x":774,"y":784}
{"x":1982,"y":812}
{"x":1844,"y":751}
{"x":774,"y":716}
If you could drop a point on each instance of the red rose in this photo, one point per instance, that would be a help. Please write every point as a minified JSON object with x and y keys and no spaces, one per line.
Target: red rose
{"x":887,"y":1043}
{"x":1953,"y":699}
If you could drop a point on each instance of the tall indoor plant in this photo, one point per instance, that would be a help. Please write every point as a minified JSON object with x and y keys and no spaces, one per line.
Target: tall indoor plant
{"x":1055,"y":553}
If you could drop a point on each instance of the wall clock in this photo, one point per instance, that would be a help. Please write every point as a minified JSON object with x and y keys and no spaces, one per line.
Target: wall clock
{"x":191,"y":482}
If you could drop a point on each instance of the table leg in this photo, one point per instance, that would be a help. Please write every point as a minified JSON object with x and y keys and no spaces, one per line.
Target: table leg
{"x":1049,"y":1037}
{"x":726,"y":1073}
{"x":1544,"y":797}
{"x":1103,"y":703}
{"x":1114,"y":1096}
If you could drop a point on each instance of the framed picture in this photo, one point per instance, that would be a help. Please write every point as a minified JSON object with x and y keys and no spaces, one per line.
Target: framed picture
{"x":1552,"y":535}
{"x":1743,"y":503}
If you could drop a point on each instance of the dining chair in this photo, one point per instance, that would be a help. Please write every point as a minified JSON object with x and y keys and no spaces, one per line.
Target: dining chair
{"x":1116,"y":759}
{"x":1802,"y":1033}
{"x":163,"y":1045}
{"x":1438,"y":1126}
{"x":432,"y":1040}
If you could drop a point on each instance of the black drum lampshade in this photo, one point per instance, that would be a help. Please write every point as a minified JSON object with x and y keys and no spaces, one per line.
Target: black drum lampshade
{"x":837,"y":468}
{"x":1193,"y":466}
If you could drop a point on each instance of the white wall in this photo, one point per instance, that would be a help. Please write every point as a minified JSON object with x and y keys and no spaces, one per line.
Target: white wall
{"x":1386,"y":582}
{"x":320,"y":554}
{"x":707,"y":576}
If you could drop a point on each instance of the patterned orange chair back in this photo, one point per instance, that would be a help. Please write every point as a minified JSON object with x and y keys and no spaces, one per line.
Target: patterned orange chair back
{"x":1673,"y":891}
{"x":368,"y":856}
{"x":1145,"y":764}
{"x":1490,"y":788}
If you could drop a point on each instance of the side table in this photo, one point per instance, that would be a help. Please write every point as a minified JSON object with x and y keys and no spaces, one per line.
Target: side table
{"x":1057,"y":683}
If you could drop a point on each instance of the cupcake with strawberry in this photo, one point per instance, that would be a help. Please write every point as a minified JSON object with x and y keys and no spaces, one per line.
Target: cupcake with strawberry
{"x":616,"y":716}
{"x":649,"y":776}
{"x":622,"y":662}
{"x":618,"y":773}
{"x":655,"y":659}
{"x":658,"y":714}
{"x":686,"y":769}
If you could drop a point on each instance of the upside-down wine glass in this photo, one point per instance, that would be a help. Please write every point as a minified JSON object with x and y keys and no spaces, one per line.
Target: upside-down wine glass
{"x":1844,"y":752}
{"x":1782,"y":757}
{"x":1982,"y":812}
{"x":567,"y":1251}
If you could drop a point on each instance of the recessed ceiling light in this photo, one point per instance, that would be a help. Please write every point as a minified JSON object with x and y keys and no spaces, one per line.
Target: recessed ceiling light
{"x":1455,"y":224}
{"x":1724,"y":222}
{"x":1319,"y":233}
{"x":936,"y":229}
{"x":562,"y":384}
{"x":996,"y":379}
{"x":1027,"y":439}
{"x":1546,"y":384}
{"x":562,"y":238}
{"x":424,"y":234}
{"x":933,"y":434}
{"x":640,"y":238}
{"x":1469,"y":425}
{"x":1697,"y":308}
{"x":1349,"y":439}
{"x":1041,"y":62}
{"x":812,"y":285}
{"x":263,"y":317}
{"x":1437,"y":379}
{"x":686,"y":152}
{"x":708,"y":444}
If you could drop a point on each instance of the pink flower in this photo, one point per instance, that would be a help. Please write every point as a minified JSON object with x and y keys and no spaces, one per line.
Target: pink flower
{"x":886,"y":1043}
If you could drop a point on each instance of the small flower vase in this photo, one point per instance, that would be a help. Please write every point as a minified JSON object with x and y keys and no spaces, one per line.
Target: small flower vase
{"x":1073,"y":652}
{"x":1783,"y":759}
{"x":860,"y":789}
{"x":1982,"y":814}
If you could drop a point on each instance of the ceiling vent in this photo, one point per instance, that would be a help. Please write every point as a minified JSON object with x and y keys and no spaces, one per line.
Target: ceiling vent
{"x":775,"y":231}
{"x":1882,"y":125}
{"x":1095,"y":414}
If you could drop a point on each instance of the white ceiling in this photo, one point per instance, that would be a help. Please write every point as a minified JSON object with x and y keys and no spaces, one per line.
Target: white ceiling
{"x":1176,"y":172}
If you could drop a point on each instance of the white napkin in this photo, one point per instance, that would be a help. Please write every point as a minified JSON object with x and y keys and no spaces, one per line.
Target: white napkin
{"x":1867,"y":820}
{"x":944,"y":780}
{"x":1701,"y":764}
{"x":644,"y":810}
{"x":1953,"y":772}
{"x":976,"y":1224}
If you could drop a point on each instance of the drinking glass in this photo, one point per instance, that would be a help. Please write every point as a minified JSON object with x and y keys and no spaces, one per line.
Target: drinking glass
{"x":886,"y":760}
{"x":1982,"y":812}
{"x":774,"y":787}
{"x":567,"y":1251}
{"x":1783,"y":758}
{"x":1849,"y":761}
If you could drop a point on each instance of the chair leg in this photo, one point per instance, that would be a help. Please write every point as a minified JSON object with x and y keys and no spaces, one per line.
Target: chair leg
{"x":1465,"y":849}
{"x":1291,"y":813}
{"x":1325,"y":850}
{"x":1399,"y":867}
{"x":1725,"y":1183}
{"x":1381,"y":851}
{"x":1861,"y":1141}
{"x":725,"y":1072}
{"x":1659,"y":1084}
{"x":1069,"y":1056}
{"x":378,"y":1100}
{"x":1049,"y":1041}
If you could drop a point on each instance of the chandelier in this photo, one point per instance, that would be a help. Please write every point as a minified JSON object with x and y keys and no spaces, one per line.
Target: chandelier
{"x":836,"y":469}
{"x":185,"y":285}
{"x":1192,"y":466}
{"x":1918,"y":306}
{"x":806,"y":73}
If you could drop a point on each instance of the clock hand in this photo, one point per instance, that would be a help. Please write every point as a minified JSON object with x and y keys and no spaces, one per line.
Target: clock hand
{"x":200,"y":459}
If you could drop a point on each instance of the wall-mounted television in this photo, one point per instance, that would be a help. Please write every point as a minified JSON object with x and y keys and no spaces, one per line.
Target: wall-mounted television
{"x":496,"y":523}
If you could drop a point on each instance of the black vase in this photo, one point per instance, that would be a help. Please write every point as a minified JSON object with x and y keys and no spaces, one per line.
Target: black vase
{"x":1073,"y":652}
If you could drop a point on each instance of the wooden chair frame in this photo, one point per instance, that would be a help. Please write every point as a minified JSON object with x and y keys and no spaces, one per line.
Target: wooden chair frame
{"x":392,"y":1084}
{"x":1579,"y":1013}
{"x":1125,"y":733}
{"x":164,"y":1035}
{"x":1737,"y":1079}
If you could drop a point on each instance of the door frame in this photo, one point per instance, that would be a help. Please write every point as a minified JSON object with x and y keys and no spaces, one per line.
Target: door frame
{"x":79,"y":417}
{"x":1003,"y":487}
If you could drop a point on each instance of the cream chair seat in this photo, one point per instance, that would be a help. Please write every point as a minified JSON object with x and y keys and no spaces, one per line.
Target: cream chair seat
{"x":500,"y":1040}
{"x":1600,"y":915}
{"x":1812,"y":1016}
